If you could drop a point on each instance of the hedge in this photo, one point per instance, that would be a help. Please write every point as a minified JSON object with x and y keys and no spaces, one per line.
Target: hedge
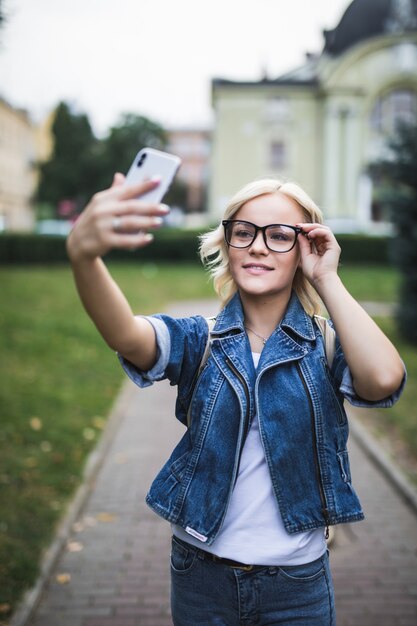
{"x":170,"y":245}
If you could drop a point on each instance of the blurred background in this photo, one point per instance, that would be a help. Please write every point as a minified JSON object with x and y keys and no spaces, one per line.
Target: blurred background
{"x":238,"y":90}
{"x":323,"y":93}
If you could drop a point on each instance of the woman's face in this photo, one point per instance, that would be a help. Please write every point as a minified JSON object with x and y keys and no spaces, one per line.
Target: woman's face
{"x":256,"y":270}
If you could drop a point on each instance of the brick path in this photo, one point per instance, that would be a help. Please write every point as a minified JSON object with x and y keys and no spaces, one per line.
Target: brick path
{"x":120,"y":576}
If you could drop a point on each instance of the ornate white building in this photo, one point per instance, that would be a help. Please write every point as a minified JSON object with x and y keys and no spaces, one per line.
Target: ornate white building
{"x":323,"y":123}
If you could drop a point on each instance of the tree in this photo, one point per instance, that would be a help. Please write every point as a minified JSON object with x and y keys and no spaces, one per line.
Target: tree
{"x":72,"y":172}
{"x":2,"y":16}
{"x":399,"y":171}
{"x":124,"y":140}
{"x":131,"y":134}
{"x":81,"y":164}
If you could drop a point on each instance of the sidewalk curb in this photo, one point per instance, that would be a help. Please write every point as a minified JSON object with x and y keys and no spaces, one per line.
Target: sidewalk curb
{"x":31,"y":599}
{"x":381,"y":459}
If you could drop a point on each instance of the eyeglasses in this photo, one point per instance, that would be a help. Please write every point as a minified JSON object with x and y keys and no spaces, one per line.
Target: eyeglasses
{"x":277,"y":237}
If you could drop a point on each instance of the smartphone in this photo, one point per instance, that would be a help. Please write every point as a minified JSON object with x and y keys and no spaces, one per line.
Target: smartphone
{"x":149,"y":163}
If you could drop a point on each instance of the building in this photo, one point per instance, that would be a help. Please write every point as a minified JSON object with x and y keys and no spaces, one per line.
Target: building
{"x":17,"y":168}
{"x":323,"y":123}
{"x":193,"y":147}
{"x":22,"y":146}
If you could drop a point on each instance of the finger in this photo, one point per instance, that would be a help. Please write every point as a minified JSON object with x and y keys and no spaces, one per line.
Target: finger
{"x":118,"y":179}
{"x":308,"y":228}
{"x":133,"y":191}
{"x":133,"y":223}
{"x":306,"y":246}
{"x":138,"y":207}
{"x":131,"y":241}
{"x":319,"y":233}
{"x":126,"y":191}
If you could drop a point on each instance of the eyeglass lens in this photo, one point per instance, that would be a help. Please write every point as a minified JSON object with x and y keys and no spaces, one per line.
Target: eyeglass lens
{"x":279,"y":238}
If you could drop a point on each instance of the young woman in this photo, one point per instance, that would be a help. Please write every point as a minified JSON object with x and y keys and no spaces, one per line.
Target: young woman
{"x":262,"y":469}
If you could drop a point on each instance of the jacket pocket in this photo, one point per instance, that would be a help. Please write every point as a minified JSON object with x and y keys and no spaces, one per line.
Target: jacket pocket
{"x":177,"y":468}
{"x":340,"y":411}
{"x":344,"y":464}
{"x":182,"y":559}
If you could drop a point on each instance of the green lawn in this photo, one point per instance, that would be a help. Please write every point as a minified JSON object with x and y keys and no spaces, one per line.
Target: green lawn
{"x":59,"y":381}
{"x":371,"y":283}
{"x":397,"y":426}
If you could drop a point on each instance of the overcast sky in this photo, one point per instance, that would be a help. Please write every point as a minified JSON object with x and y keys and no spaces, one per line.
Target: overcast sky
{"x":153,"y":57}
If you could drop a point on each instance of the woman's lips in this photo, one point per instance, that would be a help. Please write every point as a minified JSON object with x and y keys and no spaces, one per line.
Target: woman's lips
{"x":257,"y":268}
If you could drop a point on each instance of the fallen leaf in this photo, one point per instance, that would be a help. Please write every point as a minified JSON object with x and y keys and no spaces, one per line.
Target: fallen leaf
{"x":106,"y":517}
{"x":31,"y":461}
{"x":46,"y":446}
{"x":121,"y":459}
{"x":89,"y":434}
{"x":99,"y":422}
{"x":35,"y":423}
{"x":74,"y":546}
{"x":4,"y":608}
{"x":63,"y":579}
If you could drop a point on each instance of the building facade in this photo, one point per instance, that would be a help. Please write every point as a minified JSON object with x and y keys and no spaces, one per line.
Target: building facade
{"x":192,"y":145}
{"x":23,"y":145}
{"x":324,"y":123}
{"x":17,"y":169}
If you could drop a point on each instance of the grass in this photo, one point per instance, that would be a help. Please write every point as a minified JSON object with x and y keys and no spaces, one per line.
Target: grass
{"x":397,"y":427}
{"x":59,"y":381}
{"x":371,"y":283}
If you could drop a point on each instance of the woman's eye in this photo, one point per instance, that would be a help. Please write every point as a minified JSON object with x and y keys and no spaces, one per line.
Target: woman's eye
{"x":279,"y":236}
{"x":244,"y":234}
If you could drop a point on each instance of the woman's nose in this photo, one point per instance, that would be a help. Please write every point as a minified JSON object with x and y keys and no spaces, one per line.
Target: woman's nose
{"x":258,"y":244}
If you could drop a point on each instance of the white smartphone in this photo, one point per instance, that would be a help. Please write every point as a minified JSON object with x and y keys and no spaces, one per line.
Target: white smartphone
{"x":149,"y":163}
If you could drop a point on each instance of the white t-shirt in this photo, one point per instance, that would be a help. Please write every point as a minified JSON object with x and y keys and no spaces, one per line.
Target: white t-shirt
{"x":253,"y":531}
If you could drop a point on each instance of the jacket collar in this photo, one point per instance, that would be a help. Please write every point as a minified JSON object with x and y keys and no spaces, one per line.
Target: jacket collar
{"x":296,"y":320}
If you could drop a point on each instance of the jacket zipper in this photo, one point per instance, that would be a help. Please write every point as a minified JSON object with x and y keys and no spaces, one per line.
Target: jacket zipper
{"x":246,"y":421}
{"x":245,"y":428}
{"x":324,"y":508}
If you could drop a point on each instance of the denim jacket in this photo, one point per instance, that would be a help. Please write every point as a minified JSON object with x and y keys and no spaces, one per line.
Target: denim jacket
{"x":299,"y":404}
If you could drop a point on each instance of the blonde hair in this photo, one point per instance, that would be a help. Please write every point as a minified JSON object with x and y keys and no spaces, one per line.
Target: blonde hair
{"x":214,"y":250}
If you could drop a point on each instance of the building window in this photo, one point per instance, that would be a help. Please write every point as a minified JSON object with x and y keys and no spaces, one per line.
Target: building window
{"x":277,"y":155}
{"x":390,"y":110}
{"x":277,"y":109}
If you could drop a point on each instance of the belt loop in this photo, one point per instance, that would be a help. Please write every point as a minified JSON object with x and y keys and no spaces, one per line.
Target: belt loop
{"x":201,"y":554}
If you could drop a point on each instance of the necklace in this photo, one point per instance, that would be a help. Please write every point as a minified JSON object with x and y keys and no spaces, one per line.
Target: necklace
{"x":263,"y":339}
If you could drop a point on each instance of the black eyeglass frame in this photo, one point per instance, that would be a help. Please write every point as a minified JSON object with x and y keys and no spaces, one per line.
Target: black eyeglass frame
{"x":296,"y":229}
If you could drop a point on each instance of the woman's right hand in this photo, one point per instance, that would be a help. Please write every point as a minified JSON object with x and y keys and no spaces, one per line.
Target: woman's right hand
{"x":115,"y":218}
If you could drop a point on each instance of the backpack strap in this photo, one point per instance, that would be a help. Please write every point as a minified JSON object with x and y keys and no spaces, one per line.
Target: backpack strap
{"x":210,"y":323}
{"x":329,"y":337}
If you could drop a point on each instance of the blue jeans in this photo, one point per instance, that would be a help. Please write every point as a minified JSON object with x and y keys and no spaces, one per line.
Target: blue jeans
{"x":206,"y":593}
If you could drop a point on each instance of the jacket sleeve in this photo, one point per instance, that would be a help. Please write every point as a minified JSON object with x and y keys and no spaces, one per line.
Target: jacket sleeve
{"x":163,"y":342}
{"x":344,"y":382}
{"x":180,"y":347}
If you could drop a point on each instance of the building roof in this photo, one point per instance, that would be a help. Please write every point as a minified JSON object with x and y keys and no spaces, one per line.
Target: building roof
{"x":364,"y":19}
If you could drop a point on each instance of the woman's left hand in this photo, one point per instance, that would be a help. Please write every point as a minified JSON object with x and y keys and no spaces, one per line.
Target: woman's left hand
{"x":319,"y":251}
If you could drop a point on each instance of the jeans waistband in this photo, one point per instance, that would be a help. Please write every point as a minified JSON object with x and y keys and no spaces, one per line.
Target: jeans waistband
{"x":223,"y":561}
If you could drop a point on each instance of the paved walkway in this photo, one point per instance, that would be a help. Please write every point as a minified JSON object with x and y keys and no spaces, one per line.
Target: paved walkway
{"x":114,"y":568}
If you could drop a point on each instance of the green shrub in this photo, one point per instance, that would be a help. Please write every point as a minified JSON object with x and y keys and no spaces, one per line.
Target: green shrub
{"x":365,"y":249}
{"x":170,"y":245}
